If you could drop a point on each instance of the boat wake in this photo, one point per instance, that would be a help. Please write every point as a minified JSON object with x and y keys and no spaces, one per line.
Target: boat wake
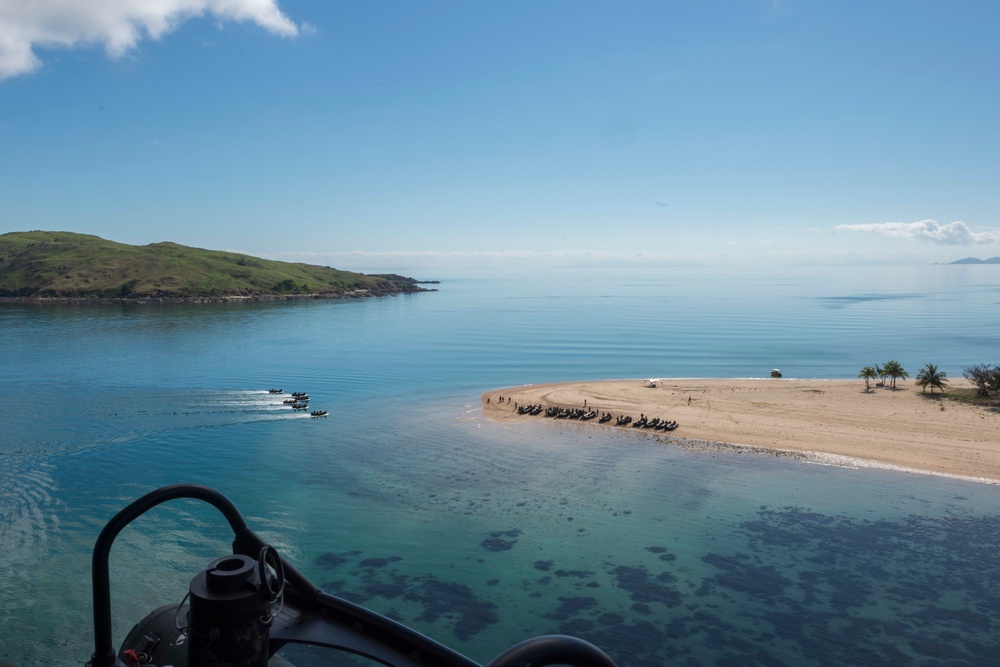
{"x":87,"y":419}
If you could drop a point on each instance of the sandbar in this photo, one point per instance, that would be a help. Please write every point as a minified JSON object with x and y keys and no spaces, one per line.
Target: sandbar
{"x":901,"y":428}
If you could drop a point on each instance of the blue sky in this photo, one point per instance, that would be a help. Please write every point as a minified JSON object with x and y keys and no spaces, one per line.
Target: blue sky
{"x":376,"y":135}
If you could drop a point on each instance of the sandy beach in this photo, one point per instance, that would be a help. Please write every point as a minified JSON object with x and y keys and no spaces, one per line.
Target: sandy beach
{"x":816,"y":419}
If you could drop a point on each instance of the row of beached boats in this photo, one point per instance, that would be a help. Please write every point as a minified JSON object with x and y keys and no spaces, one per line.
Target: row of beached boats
{"x":655,"y":423}
{"x":299,"y":402}
{"x":583,"y":414}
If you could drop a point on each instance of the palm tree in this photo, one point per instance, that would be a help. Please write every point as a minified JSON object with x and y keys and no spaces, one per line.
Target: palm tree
{"x":868,"y":373}
{"x":879,"y":371}
{"x":930,"y":376}
{"x":887,"y":370}
{"x":895,"y":370}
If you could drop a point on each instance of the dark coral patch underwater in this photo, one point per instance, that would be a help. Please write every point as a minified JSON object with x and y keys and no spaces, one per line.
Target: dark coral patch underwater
{"x":794,"y":587}
{"x":496,"y":541}
{"x":439,"y":600}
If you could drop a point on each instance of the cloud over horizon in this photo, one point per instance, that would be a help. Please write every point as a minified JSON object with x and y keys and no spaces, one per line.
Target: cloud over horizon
{"x":953,"y":233}
{"x":117,"y":24}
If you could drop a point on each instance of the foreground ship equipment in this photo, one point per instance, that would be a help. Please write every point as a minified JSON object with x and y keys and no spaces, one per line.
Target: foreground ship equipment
{"x":245,"y":607}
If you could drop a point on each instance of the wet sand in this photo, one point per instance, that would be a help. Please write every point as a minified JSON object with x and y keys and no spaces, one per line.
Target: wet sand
{"x":820,"y":420}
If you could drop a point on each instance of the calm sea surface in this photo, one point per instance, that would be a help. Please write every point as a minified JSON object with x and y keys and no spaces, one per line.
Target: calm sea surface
{"x":480,"y":534}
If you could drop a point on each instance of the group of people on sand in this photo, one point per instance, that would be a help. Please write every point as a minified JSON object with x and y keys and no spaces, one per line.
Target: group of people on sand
{"x":501,"y":399}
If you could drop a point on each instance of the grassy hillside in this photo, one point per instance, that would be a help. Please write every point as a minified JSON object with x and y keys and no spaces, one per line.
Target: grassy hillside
{"x":67,"y":265}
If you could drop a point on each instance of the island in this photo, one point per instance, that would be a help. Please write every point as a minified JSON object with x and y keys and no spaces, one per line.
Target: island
{"x":837,"y":422}
{"x":66,"y":266}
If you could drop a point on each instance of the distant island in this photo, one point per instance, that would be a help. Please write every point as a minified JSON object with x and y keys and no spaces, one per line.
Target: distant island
{"x":66,"y":266}
{"x":976,"y":260}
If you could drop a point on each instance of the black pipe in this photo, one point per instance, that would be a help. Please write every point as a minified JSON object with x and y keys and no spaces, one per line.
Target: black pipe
{"x":229,"y":617}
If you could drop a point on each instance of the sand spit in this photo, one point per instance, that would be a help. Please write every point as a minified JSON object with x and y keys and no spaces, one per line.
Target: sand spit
{"x":836,"y":422}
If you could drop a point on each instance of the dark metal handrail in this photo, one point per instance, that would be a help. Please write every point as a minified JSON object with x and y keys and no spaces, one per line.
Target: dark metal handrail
{"x":553,"y":650}
{"x":335,"y":622}
{"x":104,"y":650}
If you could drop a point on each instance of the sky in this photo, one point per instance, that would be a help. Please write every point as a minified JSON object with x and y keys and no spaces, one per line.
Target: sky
{"x":414,"y":134}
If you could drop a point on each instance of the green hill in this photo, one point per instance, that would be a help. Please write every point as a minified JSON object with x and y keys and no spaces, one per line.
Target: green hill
{"x":64,"y":265}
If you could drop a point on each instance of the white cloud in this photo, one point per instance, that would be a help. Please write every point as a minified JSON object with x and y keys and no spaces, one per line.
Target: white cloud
{"x":117,"y":24}
{"x":953,"y":233}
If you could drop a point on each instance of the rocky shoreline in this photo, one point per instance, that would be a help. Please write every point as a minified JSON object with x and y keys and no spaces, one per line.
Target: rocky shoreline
{"x":231,"y":298}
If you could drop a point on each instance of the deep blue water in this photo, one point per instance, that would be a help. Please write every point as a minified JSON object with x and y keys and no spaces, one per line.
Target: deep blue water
{"x":483,"y":534}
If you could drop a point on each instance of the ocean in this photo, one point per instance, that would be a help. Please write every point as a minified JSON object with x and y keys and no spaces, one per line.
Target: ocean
{"x":478,"y":534}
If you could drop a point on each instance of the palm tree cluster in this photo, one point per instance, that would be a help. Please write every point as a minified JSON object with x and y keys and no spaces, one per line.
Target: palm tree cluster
{"x":928,"y":376}
{"x":893,"y":370}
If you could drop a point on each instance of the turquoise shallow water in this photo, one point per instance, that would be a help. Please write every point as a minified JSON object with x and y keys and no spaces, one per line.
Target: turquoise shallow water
{"x":483,"y":534}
